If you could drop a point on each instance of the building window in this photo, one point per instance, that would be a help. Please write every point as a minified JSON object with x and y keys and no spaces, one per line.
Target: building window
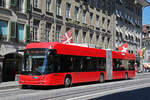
{"x":91,"y":35}
{"x":76,"y":13}
{"x":97,"y":36}
{"x":84,"y":17}
{"x":91,"y":3}
{"x":3,"y":30}
{"x":20,"y":34}
{"x":121,"y":1}
{"x":34,"y":35}
{"x":103,"y":20}
{"x":68,"y":10}
{"x":3,"y":3}
{"x":108,"y":22}
{"x":48,"y":3}
{"x":76,"y":36}
{"x":84,"y":36}
{"x":20,"y":5}
{"x":103,"y":38}
{"x":47,"y":32}
{"x":58,"y":10}
{"x":58,"y":28}
{"x":35,"y":3}
{"x":97,"y":21}
{"x":67,"y":29}
{"x":91,"y":16}
{"x":97,"y":4}
{"x":35,"y":31}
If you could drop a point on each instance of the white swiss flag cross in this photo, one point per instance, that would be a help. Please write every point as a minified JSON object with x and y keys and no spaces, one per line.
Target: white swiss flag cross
{"x":67,"y":37}
{"x":123,"y":48}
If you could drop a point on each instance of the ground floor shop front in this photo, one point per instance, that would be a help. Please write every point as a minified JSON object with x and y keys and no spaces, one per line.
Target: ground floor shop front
{"x":10,"y":62}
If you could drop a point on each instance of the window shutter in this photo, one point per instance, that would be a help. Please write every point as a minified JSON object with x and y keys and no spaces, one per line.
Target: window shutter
{"x":13,"y":29}
{"x":13,"y":2}
{"x":28,"y":35}
{"x":28,"y":5}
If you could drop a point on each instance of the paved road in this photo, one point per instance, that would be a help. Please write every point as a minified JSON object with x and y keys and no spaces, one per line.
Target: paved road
{"x":133,"y":89}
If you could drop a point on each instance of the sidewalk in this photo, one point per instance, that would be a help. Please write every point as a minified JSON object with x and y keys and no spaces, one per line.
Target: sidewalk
{"x":8,"y":85}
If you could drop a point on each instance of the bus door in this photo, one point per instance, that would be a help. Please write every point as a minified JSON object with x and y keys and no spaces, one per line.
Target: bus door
{"x":82,"y":75}
{"x":108,"y":64}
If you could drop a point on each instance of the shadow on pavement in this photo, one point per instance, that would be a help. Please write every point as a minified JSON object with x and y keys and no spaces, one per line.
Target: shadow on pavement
{"x":138,"y":94}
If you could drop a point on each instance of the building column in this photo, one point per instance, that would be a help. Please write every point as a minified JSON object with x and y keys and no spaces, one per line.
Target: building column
{"x":105,"y":43}
{"x":100,"y":41}
{"x":73,"y":34}
{"x":40,"y":30}
{"x":87,"y":38}
{"x":94,"y":39}
{"x":110,"y":45}
{"x":80,"y":36}
{"x":52,"y":33}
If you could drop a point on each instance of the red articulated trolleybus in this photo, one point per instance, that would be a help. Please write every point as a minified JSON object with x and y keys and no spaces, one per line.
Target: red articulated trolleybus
{"x":53,"y":63}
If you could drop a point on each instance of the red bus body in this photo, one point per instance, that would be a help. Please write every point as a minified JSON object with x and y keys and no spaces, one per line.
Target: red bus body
{"x":77,"y":77}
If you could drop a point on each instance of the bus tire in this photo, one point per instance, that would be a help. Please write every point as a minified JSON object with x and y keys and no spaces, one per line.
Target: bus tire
{"x":67,"y":82}
{"x":126,"y":76}
{"x":101,"y":78}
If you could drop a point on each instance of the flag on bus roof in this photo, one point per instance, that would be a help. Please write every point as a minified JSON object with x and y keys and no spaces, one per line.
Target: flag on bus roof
{"x":123,"y":48}
{"x":67,"y":37}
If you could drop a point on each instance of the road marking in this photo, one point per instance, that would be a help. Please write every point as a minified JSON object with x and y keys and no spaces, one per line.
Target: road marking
{"x":111,"y":92}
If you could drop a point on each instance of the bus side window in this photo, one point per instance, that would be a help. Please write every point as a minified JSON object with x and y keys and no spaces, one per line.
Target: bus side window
{"x":82,"y":65}
{"x":115,"y":64}
{"x":77,"y":63}
{"x":101,"y":64}
{"x":57,"y":64}
{"x":131,"y":65}
{"x":66,"y":63}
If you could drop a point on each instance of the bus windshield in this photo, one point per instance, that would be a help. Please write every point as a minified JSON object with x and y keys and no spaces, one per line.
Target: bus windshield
{"x":36,"y":62}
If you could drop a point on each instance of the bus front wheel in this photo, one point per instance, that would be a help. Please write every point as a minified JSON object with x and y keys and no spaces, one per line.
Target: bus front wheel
{"x":67,"y":82}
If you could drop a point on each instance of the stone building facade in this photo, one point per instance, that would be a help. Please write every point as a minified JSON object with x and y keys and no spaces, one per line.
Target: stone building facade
{"x":87,"y":21}
{"x":146,"y":43}
{"x":129,"y":23}
{"x":101,"y":23}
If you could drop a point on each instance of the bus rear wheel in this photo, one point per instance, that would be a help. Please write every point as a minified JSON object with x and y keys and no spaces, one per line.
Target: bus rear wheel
{"x":24,"y":87}
{"x":68,"y":82}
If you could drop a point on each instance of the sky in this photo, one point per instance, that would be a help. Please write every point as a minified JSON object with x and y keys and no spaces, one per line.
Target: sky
{"x":146,"y":15}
